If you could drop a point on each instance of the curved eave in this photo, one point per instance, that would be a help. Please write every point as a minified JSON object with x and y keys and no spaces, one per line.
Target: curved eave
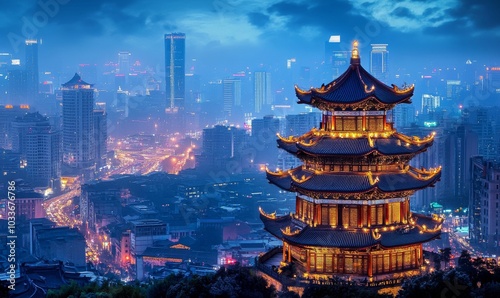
{"x":315,"y":100}
{"x":340,"y":238}
{"x":344,"y":183}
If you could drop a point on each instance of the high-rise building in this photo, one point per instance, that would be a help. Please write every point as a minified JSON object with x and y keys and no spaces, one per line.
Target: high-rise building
{"x":231,"y":95}
{"x":123,"y":63}
{"x":40,"y":148}
{"x":461,"y":145}
{"x":78,"y":124}
{"x":336,"y":58}
{"x":220,"y":145}
{"x":17,"y":87}
{"x":263,"y":97}
{"x":378,"y":62}
{"x":483,"y":121}
{"x":430,"y":103}
{"x":264,"y":131}
{"x":32,"y":79}
{"x":101,"y":137}
{"x":483,"y":203}
{"x":352,"y":217}
{"x":175,"y":64}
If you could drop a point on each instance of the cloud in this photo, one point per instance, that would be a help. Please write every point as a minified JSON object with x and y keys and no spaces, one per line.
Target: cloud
{"x":406,"y":15}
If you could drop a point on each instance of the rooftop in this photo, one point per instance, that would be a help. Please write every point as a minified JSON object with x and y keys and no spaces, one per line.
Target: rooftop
{"x":354,"y":86}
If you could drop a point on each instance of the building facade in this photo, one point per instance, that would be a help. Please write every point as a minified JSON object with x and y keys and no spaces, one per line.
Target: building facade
{"x":484,"y":203}
{"x":352,"y":217}
{"x":39,"y":144}
{"x":175,"y":72}
{"x":78,"y":124}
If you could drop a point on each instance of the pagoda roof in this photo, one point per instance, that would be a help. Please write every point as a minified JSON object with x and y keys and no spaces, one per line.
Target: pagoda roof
{"x":76,"y":80}
{"x":355,"y":238}
{"x":329,"y":144}
{"x":300,"y":179}
{"x":355,"y":85}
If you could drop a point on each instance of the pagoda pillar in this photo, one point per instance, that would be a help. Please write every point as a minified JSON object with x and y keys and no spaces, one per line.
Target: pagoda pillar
{"x":421,"y":252}
{"x":386,"y":213}
{"x":333,"y":122}
{"x":317,"y":215}
{"x":289,"y":253}
{"x":284,"y":251}
{"x":370,"y":265}
{"x":298,"y":205}
{"x":402,"y":212}
{"x":360,"y":216}
{"x":385,"y":119}
{"x":308,"y":261}
{"x":369,"y":215}
{"x":363,"y":121}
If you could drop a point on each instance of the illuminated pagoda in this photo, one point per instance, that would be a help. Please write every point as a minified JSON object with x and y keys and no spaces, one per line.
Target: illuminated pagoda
{"x":352,"y":217}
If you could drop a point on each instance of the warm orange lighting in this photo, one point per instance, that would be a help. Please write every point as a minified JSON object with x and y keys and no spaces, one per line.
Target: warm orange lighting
{"x":9,"y":106}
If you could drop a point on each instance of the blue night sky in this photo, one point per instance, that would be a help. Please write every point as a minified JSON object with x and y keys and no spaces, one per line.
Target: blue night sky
{"x":238,"y":33}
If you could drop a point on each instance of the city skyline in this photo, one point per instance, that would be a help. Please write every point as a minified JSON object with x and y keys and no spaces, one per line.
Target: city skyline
{"x":273,"y":31}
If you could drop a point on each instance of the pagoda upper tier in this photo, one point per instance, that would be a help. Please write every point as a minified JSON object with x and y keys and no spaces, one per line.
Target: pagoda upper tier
{"x":355,"y":89}
{"x":356,"y":144}
{"x":322,"y":185}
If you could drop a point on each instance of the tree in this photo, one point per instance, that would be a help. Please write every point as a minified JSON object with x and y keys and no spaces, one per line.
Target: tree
{"x":445,"y":256}
{"x":437,"y":262}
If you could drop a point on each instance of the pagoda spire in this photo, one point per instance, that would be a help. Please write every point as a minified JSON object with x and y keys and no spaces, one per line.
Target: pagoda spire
{"x":355,"y":53}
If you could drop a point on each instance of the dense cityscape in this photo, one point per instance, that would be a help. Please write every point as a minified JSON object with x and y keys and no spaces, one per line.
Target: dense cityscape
{"x":181,"y":175}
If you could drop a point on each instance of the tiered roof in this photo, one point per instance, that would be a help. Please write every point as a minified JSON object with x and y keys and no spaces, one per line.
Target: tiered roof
{"x":353,"y":87}
{"x":422,"y":229}
{"x":354,"y":144}
{"x":301,"y":179}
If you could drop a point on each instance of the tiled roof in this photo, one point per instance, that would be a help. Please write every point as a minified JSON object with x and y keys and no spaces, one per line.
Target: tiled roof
{"x":330,"y":237}
{"x":353,"y":86}
{"x":346,"y":182}
{"x":327,"y":145}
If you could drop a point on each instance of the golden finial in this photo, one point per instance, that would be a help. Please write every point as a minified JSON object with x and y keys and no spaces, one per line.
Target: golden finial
{"x":355,"y":51}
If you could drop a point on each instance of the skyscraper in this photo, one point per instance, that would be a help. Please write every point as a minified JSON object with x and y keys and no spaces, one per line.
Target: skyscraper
{"x":39,"y":146}
{"x":262,"y":91}
{"x":232,"y":95}
{"x":123,"y":63}
{"x":101,"y":136}
{"x":336,"y":58}
{"x":175,"y":56}
{"x":78,"y":124}
{"x":378,"y":61}
{"x":32,"y":79}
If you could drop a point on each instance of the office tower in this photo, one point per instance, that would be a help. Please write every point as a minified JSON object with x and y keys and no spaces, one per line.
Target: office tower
{"x":352,"y":217}
{"x":220,"y":145}
{"x":483,"y":203}
{"x":175,"y":56}
{"x":123,"y":63}
{"x":263,"y":97}
{"x":78,"y":124}
{"x":403,"y":116}
{"x":378,"y":61}
{"x":17,"y":88}
{"x":231,"y":95}
{"x":483,"y":121}
{"x":8,"y":113}
{"x":5,"y":61}
{"x":40,"y":148}
{"x":301,"y":123}
{"x":101,"y":137}
{"x":336,"y":58}
{"x":430,"y":103}
{"x":264,"y":132}
{"x":461,"y":145}
{"x":32,"y":80}
{"x":493,"y":79}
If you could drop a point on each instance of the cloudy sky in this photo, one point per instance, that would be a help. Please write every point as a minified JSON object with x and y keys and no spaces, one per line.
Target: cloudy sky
{"x":223,"y":33}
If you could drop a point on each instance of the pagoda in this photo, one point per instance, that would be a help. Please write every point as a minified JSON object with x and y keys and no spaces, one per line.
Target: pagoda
{"x":352,"y":218}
